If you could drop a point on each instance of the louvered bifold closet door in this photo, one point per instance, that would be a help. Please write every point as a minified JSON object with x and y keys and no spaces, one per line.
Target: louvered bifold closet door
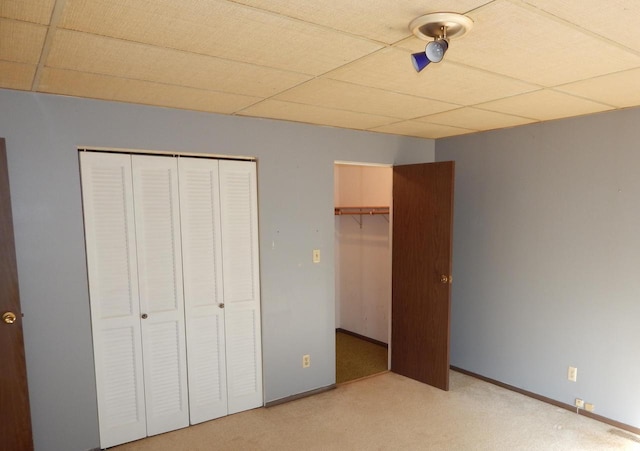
{"x":157,"y":217}
{"x":239,"y":220}
{"x":113,"y":287}
{"x":203,"y":294}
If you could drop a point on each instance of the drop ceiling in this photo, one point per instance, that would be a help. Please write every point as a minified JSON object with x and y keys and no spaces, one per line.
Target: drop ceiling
{"x":340,"y":63}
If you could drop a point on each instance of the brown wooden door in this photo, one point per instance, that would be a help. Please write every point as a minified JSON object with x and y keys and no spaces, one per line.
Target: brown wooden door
{"x":421,"y":304}
{"x":15,"y":419}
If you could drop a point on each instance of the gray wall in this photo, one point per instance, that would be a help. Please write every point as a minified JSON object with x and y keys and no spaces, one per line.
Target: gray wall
{"x":295,"y":183}
{"x":547,"y":258}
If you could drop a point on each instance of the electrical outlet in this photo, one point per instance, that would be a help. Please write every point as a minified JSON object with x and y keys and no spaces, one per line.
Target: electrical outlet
{"x":572,"y":373}
{"x":316,"y":256}
{"x":306,"y":361}
{"x":579,"y":403}
{"x":589,"y":407}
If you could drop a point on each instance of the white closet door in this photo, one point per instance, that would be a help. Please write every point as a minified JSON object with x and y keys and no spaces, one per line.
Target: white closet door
{"x":239,"y":219}
{"x":157,"y":216}
{"x":203,"y":295}
{"x":115,"y":318}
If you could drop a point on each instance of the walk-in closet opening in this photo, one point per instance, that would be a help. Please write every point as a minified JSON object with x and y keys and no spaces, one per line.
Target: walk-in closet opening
{"x":362,"y":200}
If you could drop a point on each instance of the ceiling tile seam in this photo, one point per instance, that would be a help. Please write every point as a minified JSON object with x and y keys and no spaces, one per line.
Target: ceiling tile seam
{"x":500,"y":112}
{"x":582,"y":97}
{"x":479,"y":106}
{"x":56,"y":15}
{"x":541,"y":12}
{"x":388,"y":91}
{"x":420,"y":118}
{"x":483,"y":107}
{"x":333,"y":108}
{"x":238,"y":111}
{"x":323,"y":76}
{"x":315,"y":24}
{"x":314,"y":124}
{"x":155,"y":105}
{"x":419,"y":123}
{"x":597,"y":77}
{"x":222,"y":58}
{"x":154,"y":82}
{"x":393,"y":119}
{"x":373,"y":130}
{"x":536,"y":86}
{"x":475,"y":129}
{"x":328,"y":77}
{"x":2,"y":60}
{"x":480,"y":7}
{"x":20,"y":21}
{"x":284,"y":91}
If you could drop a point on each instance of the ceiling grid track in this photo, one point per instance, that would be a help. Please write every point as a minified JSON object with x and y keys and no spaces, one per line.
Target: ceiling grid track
{"x":56,"y":15}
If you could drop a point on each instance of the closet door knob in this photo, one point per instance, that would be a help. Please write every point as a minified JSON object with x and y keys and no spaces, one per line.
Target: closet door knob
{"x":144,"y":316}
{"x":221,"y":305}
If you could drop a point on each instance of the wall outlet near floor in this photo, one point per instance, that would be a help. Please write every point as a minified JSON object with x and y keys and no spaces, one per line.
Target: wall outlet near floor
{"x":572,"y":373}
{"x":589,"y":407}
{"x":306,"y":361}
{"x":579,"y":403}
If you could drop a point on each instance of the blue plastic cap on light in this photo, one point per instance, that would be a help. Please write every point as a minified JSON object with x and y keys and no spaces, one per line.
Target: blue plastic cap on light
{"x":419,"y":61}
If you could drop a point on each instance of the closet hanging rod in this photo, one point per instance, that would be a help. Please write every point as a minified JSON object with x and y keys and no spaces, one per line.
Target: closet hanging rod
{"x":361,"y":210}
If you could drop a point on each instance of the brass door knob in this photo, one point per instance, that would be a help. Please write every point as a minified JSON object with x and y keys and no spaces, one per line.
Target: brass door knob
{"x":9,"y":317}
{"x":444,"y":279}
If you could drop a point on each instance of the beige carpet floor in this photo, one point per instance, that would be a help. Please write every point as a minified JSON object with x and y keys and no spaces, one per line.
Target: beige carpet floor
{"x":391,"y":412}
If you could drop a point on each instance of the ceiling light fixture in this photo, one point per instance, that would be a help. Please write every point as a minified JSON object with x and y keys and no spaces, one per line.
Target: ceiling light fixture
{"x":440,"y":27}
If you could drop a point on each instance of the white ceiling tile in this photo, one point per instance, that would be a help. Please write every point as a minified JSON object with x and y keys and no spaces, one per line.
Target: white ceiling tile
{"x":21,"y":41}
{"x":351,"y":97}
{"x":16,"y":75}
{"x":421,"y":129}
{"x":391,"y":69}
{"x":310,"y":114}
{"x":58,"y":81}
{"x":475,"y":119}
{"x":616,"y":20}
{"x":380,"y":20}
{"x":37,"y":11}
{"x":513,"y":40}
{"x":545,"y":105}
{"x":118,"y":58}
{"x":219,"y":28}
{"x":621,"y":90}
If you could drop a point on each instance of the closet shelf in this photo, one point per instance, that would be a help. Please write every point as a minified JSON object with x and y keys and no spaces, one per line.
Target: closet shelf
{"x":361,"y":211}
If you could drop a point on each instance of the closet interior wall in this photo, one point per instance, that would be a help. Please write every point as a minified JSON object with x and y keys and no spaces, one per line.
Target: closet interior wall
{"x":363,"y":251}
